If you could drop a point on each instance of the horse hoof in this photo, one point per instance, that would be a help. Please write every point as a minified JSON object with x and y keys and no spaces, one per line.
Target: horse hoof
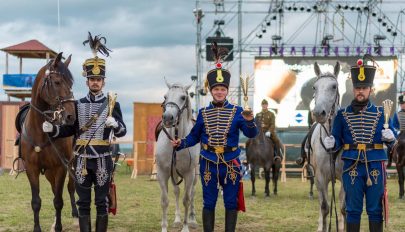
{"x":185,"y":229}
{"x":177,"y":224}
{"x":193,"y":224}
{"x":311,"y":197}
{"x":275,"y":193}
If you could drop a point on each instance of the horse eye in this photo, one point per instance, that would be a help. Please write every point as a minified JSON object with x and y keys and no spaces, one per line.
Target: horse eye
{"x":313,"y":87}
{"x":57,"y":82}
{"x":183,"y":98}
{"x":334,"y":86}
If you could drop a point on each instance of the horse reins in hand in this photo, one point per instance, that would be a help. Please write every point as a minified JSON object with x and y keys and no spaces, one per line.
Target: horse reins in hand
{"x":176,"y":135}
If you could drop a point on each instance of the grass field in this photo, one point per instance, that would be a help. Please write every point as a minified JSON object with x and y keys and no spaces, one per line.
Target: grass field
{"x":139,"y":207}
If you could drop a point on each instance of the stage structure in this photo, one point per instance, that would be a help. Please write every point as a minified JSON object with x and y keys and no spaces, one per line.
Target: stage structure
{"x":304,"y":31}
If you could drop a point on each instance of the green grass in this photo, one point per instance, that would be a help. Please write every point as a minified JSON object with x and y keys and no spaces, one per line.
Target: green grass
{"x":139,"y":207}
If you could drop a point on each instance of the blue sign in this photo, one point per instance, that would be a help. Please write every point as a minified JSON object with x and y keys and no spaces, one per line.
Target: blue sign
{"x":299,"y":117}
{"x":19,"y":80}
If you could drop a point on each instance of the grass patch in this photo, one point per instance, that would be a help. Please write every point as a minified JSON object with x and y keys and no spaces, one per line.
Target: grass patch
{"x":139,"y":207}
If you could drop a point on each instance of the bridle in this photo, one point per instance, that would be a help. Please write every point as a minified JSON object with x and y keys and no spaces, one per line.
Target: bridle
{"x":176,"y":135}
{"x":331,"y":153}
{"x":55,"y":111}
{"x":335,"y":103}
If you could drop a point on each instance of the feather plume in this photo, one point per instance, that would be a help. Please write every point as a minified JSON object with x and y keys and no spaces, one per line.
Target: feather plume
{"x":97,"y":44}
{"x":218,"y":52}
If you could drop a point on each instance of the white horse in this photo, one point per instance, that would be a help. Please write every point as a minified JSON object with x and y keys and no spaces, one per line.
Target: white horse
{"x":177,"y":122}
{"x":326,"y":98}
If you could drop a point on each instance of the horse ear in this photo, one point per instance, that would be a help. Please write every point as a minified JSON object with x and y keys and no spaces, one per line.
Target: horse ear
{"x":57,"y":60}
{"x":167,"y":83}
{"x":67,"y":61}
{"x":337,"y":69}
{"x":317,"y":69}
{"x":188,"y":86}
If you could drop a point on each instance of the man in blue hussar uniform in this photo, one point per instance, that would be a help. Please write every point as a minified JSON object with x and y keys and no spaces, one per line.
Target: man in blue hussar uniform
{"x":217,"y":128}
{"x":398,"y":122}
{"x":359,"y":130}
{"x":97,"y":118}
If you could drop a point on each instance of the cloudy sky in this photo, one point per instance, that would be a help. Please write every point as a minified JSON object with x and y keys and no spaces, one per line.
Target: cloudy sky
{"x":150,"y":39}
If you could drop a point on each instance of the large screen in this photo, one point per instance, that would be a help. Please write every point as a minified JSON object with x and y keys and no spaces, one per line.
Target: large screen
{"x":287,"y":82}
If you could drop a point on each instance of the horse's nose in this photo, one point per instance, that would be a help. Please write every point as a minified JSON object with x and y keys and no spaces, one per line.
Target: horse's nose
{"x":167,"y":117}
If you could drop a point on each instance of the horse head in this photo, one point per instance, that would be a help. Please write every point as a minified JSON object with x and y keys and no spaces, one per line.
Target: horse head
{"x":52,"y":94}
{"x":326,"y":93}
{"x":176,"y":101}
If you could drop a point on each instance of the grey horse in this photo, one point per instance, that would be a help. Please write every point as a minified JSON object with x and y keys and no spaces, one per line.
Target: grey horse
{"x":177,"y":114}
{"x":260,"y":153}
{"x":326,"y":96}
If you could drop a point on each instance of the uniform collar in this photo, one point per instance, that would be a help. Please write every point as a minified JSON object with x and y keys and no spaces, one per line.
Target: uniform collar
{"x":219,"y":104}
{"x":94,"y":98}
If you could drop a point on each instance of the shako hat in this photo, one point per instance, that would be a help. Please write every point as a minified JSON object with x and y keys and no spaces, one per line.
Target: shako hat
{"x":362,"y":74}
{"x":218,"y":75}
{"x":95,"y":66}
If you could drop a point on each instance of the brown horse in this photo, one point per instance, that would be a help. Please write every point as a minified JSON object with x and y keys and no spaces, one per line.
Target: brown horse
{"x":260,"y":153}
{"x":399,"y":159}
{"x":52,"y":100}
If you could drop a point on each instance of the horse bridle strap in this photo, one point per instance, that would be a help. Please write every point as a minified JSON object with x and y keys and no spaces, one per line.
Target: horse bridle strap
{"x":176,"y":135}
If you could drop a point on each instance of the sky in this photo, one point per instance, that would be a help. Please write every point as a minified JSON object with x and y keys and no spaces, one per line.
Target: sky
{"x":150,"y":39}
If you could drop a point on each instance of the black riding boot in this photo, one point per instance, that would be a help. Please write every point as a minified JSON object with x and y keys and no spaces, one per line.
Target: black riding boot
{"x":231,"y":216}
{"x":101,"y":223}
{"x":352,"y":227}
{"x":375,"y":226}
{"x":85,"y":223}
{"x":208,"y":219}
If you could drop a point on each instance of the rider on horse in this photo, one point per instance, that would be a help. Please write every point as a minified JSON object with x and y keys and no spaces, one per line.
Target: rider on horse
{"x":266,"y":121}
{"x":94,"y":123}
{"x":398,"y":122}
{"x":217,"y":128}
{"x":358,"y":130}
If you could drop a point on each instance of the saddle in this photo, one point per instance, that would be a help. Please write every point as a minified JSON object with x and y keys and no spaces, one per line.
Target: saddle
{"x":19,"y":120}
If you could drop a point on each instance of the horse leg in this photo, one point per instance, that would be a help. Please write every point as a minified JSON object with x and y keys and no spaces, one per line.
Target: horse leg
{"x":400,"y":180}
{"x":276,"y":172}
{"x":192,"y":221}
{"x":311,"y":188}
{"x":177,"y":218}
{"x":164,"y":199}
{"x":188,"y":185}
{"x":253,"y":179}
{"x":267,"y":179}
{"x":342,"y":213}
{"x":71,"y":190}
{"x":33,"y":177}
{"x":323,"y":203}
{"x":57,"y":179}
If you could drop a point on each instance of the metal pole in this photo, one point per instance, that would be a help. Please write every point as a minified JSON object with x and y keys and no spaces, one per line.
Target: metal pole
{"x":240,"y":50}
{"x":198,"y":16}
{"x":6,"y":63}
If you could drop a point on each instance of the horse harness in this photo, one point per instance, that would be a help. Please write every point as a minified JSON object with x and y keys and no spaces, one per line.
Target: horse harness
{"x":176,"y":135}
{"x":332,"y":154}
{"x":55,"y":111}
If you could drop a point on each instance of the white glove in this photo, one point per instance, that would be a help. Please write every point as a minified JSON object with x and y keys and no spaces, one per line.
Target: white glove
{"x":387,"y":135}
{"x":329,"y":142}
{"x":267,"y":134}
{"x":111,"y":122}
{"x":47,"y":127}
